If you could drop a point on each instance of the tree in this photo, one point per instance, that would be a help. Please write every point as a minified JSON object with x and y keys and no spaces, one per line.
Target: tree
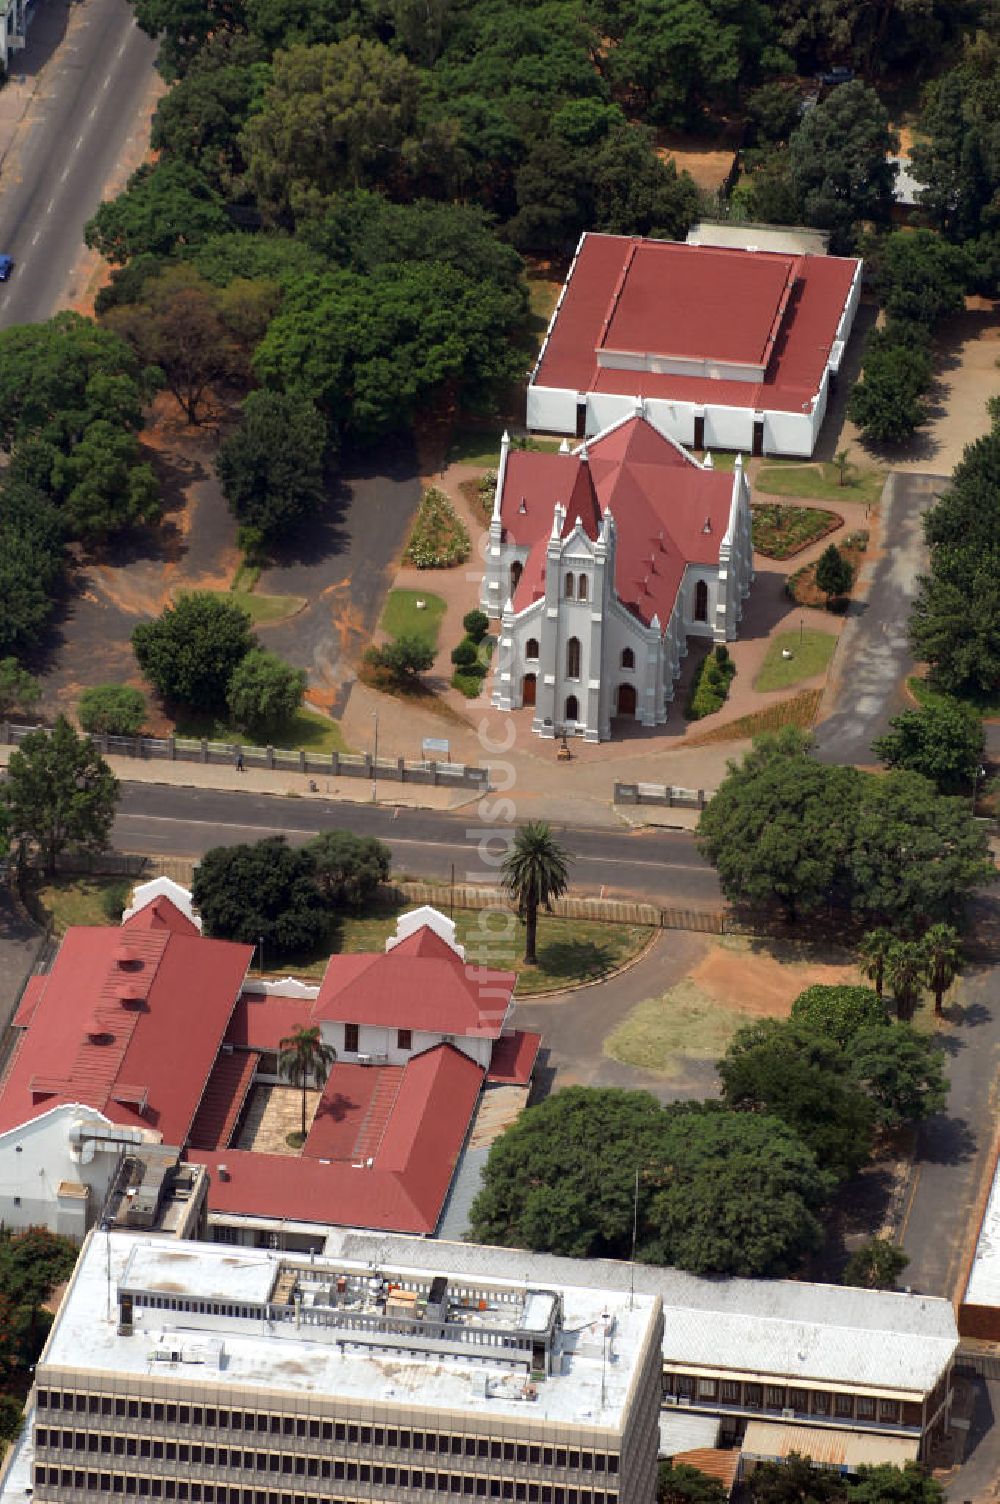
{"x":184,"y":26}
{"x":350,"y":869}
{"x":682,"y":1484}
{"x":113,"y":709}
{"x":800,"y":1076}
{"x":888,"y":403}
{"x":834,"y":575}
{"x":943,"y":959}
{"x":943,"y":740}
{"x":718,"y":1191}
{"x":900,"y":1070}
{"x":534,"y":871}
{"x":103,"y":485}
{"x":178,"y":328}
{"x":873,"y":951}
{"x":265,"y":893}
{"x":31,"y":563}
{"x":904,"y":974}
{"x":795,"y":1481}
{"x":916,"y":854}
{"x":403,"y":659}
{"x":475,"y":624}
{"x":920,"y":277}
{"x":198,"y":121}
{"x":885,"y":1484}
{"x":264,"y":692}
{"x":839,"y":163}
{"x":165,"y":206}
{"x":842,"y":460}
{"x":780,"y":827}
{"x":190,"y":652}
{"x":303,"y":1057}
{"x":876,"y":1265}
{"x":838,"y":1011}
{"x":955,"y":621}
{"x":271,"y":467}
{"x":59,"y":792}
{"x":17,"y":688}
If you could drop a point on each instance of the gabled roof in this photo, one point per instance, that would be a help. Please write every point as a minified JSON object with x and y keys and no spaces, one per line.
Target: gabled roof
{"x":669,"y":511}
{"x":707,"y":302}
{"x":403,"y":1189}
{"x":128,"y":1021}
{"x":440,"y":995}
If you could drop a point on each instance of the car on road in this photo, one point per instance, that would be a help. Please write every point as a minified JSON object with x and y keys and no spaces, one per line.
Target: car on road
{"x":6,"y":267}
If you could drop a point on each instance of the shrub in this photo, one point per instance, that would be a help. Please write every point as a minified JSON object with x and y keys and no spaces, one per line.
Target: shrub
{"x":115,"y":709}
{"x":468,"y":682}
{"x":475,"y":624}
{"x":439,"y":538}
{"x":113,"y":900}
{"x":465,"y":654}
{"x":398,"y":663}
{"x":710,"y":686}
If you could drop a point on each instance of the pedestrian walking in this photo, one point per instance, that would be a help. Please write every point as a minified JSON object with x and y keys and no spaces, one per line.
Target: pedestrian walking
{"x":239,"y":762}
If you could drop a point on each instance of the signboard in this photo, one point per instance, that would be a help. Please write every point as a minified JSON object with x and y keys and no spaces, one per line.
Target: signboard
{"x":435,"y":748}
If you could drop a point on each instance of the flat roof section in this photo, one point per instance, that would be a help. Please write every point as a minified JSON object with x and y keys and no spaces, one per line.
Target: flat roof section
{"x":983,"y":1288}
{"x":698,"y":303}
{"x":164,"y":1269}
{"x":843,"y":1451}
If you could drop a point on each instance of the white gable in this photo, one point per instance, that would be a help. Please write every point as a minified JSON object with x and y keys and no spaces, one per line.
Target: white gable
{"x":162,"y":887}
{"x":426,"y":917}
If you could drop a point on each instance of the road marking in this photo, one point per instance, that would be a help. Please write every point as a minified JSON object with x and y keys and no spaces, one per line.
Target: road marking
{"x":107,"y":82}
{"x":92,"y":113}
{"x":34,"y":241}
{"x":50,"y":206}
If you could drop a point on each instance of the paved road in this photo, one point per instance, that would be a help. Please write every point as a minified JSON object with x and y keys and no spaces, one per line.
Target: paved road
{"x":81,"y":117}
{"x":661,"y":866}
{"x":873,"y":658}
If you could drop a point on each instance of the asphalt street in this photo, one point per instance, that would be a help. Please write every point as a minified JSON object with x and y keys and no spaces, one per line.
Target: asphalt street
{"x":79,"y":122}
{"x":660,"y":866}
{"x":873,"y":658}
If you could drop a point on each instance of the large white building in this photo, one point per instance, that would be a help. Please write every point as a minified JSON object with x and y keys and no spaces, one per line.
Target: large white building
{"x":731,"y":348}
{"x":188,"y":1372}
{"x":601,"y":562}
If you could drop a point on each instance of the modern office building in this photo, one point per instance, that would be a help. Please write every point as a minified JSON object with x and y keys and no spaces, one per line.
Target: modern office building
{"x":204,"y":1375}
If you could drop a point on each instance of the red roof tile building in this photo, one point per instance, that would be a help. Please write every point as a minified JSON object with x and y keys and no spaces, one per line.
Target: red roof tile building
{"x":602,"y":561}
{"x":152,"y":1033}
{"x":729,"y":348}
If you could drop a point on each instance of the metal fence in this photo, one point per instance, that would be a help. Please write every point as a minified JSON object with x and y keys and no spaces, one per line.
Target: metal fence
{"x":660,"y":793}
{"x":277,"y":759}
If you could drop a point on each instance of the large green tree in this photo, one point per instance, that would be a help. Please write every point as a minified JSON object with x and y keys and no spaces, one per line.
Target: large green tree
{"x":779,"y":830}
{"x":900,"y":1070}
{"x":682,"y":1484}
{"x":184,"y":26}
{"x":920,"y":277}
{"x":190,"y":652}
{"x":271,"y":467}
{"x":838,"y":163}
{"x":31,"y":564}
{"x":198,"y":121}
{"x":718,"y":1191}
{"x":303,"y":1058}
{"x":164,"y":206}
{"x":350,"y":868}
{"x":264,"y":692}
{"x":888,"y":404}
{"x":59,"y":793}
{"x":943,"y":740}
{"x":839,"y":1011}
{"x":261,"y":894}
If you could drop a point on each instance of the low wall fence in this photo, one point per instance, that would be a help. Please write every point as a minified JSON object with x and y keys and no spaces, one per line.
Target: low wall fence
{"x":660,"y":793}
{"x":608,"y":910}
{"x":277,"y":759}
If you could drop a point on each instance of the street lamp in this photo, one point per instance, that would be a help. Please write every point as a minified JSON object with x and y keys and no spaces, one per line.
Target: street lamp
{"x":979,"y":773}
{"x":375,"y":761}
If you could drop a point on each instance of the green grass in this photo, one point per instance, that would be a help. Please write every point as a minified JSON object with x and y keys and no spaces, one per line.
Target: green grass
{"x":820,"y":482}
{"x":67,"y":900}
{"x":922,"y":692}
{"x":261,"y":608}
{"x":400,"y":617}
{"x":811,"y":653}
{"x":780,"y":531}
{"x":799,"y":711}
{"x":684,"y":1022}
{"x":481,"y":447}
{"x":307,"y":731}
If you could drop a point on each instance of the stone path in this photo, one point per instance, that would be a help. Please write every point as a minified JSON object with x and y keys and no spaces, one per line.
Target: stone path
{"x":273,"y":1113}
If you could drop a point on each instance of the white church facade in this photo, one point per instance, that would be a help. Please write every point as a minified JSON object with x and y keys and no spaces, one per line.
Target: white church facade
{"x":601,"y":562}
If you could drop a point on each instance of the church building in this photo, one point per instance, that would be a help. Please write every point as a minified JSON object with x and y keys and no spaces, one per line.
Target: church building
{"x":602,"y":561}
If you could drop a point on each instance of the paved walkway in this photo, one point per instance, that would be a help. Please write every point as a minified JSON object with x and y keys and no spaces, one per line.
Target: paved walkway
{"x":19,"y":941}
{"x":867,"y":683}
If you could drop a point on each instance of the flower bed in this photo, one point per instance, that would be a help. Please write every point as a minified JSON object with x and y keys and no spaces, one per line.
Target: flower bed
{"x":439,"y":538}
{"x":780,"y":531}
{"x":801,"y":587}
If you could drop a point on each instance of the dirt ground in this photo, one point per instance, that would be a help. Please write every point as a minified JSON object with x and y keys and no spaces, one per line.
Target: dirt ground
{"x":763,"y":978}
{"x":710,"y":168}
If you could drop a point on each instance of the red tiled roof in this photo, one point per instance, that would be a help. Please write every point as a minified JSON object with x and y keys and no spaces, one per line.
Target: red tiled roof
{"x":135,"y":1038}
{"x":261,"y":1021}
{"x":513,"y":1058}
{"x":443,"y":995}
{"x":161,"y":914}
{"x":223,"y":1099}
{"x":353,"y":1110}
{"x":403,"y":1191}
{"x":669,"y":512}
{"x":707,"y":307}
{"x":719,"y":1463}
{"x":33,"y":989}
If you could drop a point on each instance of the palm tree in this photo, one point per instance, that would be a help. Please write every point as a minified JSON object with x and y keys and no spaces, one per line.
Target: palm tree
{"x":304,"y":1058}
{"x":535,"y":870}
{"x":872,"y":953}
{"x":905,"y":969}
{"x":943,"y":960}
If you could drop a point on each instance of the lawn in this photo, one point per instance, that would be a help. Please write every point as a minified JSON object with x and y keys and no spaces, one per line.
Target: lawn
{"x":569,"y":950}
{"x":781,"y":531}
{"x":925,"y":695}
{"x":684,"y":1022}
{"x":821,"y":482}
{"x":70,"y":900}
{"x":307,"y":731}
{"x":400,"y":617}
{"x":799,"y":711}
{"x":811,"y":653}
{"x":262,"y":608}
